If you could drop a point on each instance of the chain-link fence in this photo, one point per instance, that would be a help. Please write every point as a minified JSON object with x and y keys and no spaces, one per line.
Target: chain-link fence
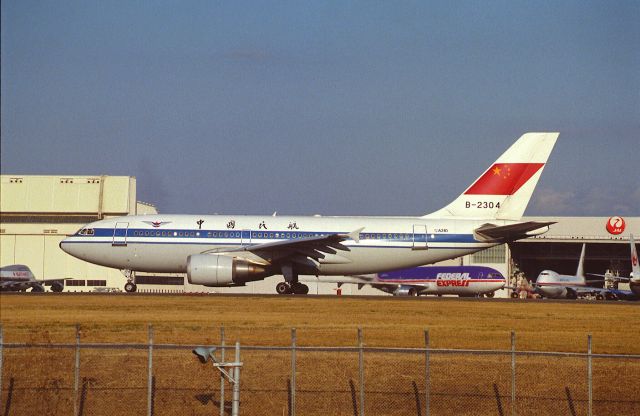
{"x":82,"y":378}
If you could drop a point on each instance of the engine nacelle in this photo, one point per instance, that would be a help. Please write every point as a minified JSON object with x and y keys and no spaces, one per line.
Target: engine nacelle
{"x":405,"y":291}
{"x":216,"y":270}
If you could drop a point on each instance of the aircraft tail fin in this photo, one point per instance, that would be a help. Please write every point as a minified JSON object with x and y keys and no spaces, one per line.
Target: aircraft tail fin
{"x":505,"y":188}
{"x":580,"y":270}
{"x":635,"y":265}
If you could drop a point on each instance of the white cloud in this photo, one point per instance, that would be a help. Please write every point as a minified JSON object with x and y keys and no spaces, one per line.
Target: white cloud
{"x":552,"y":202}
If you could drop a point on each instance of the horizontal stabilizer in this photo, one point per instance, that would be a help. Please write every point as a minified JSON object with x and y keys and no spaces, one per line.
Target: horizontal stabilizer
{"x":506,"y":233}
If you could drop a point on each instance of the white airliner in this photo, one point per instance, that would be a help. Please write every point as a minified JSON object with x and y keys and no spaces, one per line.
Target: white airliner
{"x":19,"y":278}
{"x":551,"y":284}
{"x":633,"y":279}
{"x":231,"y":250}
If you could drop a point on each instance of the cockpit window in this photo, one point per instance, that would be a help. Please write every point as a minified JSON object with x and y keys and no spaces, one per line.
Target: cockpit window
{"x":86,"y":231}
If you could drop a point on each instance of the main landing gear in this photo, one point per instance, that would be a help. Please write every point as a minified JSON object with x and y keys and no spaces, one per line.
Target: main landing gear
{"x":291,"y":284}
{"x":130,"y":286}
{"x":297,"y":288}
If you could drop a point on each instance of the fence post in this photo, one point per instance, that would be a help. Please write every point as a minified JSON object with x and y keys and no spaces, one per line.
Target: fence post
{"x":150,"y":374}
{"x":76,"y":377}
{"x":1,"y":357}
{"x":292,"y":410}
{"x":427,"y":375}
{"x":361,"y":369}
{"x":235,"y":408}
{"x":513,"y":373}
{"x":589,"y":376}
{"x":222,"y":375}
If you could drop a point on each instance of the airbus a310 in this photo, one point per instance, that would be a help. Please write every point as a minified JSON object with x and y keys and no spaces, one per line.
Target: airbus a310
{"x":231,"y":250}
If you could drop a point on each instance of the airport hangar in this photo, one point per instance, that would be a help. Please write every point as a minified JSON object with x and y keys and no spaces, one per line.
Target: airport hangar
{"x":37,"y":212}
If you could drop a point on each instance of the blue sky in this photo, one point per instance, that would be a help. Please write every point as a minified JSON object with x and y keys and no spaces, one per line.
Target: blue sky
{"x":336,"y":108}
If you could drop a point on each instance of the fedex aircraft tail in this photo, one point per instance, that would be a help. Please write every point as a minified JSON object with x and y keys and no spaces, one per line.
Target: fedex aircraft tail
{"x":505,"y":188}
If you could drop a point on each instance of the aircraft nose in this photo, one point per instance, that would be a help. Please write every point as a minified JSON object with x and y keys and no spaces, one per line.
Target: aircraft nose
{"x":64,"y":246}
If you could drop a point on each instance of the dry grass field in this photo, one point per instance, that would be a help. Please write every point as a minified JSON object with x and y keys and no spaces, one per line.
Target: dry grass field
{"x":40,"y":380}
{"x":326,"y":321}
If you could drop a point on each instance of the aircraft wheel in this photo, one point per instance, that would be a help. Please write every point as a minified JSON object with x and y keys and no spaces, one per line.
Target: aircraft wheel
{"x":599,"y":296}
{"x":300,"y":289}
{"x":412,"y":292}
{"x":283,"y":288}
{"x":490,"y":294}
{"x":37,"y":289}
{"x":130,"y":287}
{"x":514,"y":295}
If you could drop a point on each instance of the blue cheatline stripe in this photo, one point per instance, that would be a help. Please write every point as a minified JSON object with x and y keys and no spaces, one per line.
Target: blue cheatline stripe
{"x":270,"y":235}
{"x":237,"y":244}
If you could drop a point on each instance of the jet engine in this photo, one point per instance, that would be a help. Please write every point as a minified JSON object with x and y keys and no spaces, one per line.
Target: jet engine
{"x":216,"y":270}
{"x":405,"y":291}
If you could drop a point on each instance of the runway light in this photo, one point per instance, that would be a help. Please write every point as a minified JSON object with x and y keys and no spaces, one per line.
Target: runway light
{"x":204,"y":353}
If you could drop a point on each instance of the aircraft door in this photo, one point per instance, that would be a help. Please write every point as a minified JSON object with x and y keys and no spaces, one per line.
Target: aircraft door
{"x":419,"y":237}
{"x":245,"y":238}
{"x":120,"y":234}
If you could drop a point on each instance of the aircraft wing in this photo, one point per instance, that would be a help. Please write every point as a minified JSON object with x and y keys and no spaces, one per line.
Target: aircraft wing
{"x":512,"y":232}
{"x":18,"y":284}
{"x":43,"y":281}
{"x":584,"y":290}
{"x":299,"y":250}
{"x":9,"y":285}
{"x":623,"y":294}
{"x":367,"y":279}
{"x":613,"y":278}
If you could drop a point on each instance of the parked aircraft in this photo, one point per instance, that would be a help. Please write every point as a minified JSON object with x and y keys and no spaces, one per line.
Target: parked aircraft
{"x":231,"y":250}
{"x":464,"y":281}
{"x":19,"y":277}
{"x":551,"y":284}
{"x":633,"y":279}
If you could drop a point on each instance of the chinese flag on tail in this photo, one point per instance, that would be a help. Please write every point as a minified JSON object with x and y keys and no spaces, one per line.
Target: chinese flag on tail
{"x":504,"y":178}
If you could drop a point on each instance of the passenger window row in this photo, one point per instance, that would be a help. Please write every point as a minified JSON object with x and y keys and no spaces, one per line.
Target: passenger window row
{"x":386,"y":236}
{"x":258,"y":235}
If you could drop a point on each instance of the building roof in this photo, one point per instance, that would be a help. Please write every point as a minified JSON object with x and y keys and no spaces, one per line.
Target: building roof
{"x":572,"y":229}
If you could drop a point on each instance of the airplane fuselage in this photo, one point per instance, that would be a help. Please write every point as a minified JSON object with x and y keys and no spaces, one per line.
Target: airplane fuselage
{"x":162,"y":243}
{"x":17,"y":278}
{"x":557,"y":286}
{"x":443,"y":280}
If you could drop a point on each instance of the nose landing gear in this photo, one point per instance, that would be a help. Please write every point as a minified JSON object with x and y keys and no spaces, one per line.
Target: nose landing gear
{"x":130,"y":286}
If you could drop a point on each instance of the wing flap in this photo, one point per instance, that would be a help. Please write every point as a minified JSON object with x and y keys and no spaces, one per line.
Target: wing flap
{"x":505,"y":233}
